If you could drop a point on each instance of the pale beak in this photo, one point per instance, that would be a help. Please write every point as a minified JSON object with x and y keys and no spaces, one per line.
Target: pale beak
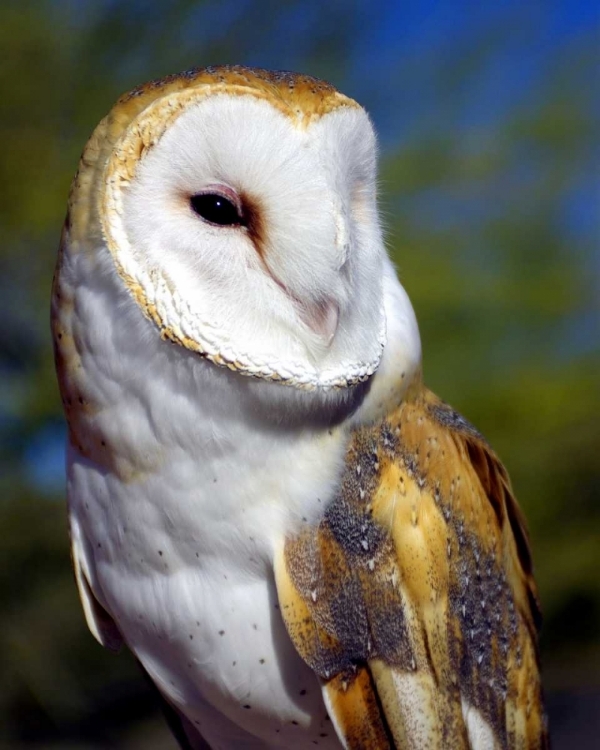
{"x":322,"y":318}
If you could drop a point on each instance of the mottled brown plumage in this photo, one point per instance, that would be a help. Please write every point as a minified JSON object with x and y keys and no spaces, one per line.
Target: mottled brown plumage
{"x":413,"y":599}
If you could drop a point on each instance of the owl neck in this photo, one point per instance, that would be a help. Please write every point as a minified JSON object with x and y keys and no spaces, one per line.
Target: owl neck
{"x":400,"y":367}
{"x":142,"y":407}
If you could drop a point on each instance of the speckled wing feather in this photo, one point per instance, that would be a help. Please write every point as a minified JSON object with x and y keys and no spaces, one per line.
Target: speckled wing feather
{"x":413,"y":599}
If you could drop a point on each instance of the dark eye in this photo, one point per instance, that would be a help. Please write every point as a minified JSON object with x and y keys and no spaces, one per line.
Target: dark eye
{"x":216,"y":209}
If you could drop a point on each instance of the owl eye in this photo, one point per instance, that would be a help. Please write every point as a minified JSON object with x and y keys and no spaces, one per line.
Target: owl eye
{"x":216,"y":209}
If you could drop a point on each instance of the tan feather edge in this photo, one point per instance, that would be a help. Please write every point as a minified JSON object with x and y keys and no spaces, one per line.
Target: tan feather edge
{"x":100,"y":623}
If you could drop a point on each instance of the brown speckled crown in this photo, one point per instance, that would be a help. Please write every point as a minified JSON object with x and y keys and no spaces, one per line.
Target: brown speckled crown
{"x":293,"y":90}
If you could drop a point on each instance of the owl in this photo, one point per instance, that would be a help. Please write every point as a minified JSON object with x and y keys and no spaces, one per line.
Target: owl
{"x":301,"y":544}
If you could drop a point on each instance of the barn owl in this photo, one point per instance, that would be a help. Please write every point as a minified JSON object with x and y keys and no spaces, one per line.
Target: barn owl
{"x":298,"y":541}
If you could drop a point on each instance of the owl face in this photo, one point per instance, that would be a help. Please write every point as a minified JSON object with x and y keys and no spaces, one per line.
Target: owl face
{"x":243,"y":221}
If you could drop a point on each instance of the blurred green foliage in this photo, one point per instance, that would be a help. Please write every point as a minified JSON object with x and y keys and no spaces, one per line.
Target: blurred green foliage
{"x":506,"y":297}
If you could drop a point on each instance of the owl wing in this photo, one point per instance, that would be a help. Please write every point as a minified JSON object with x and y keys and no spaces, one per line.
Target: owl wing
{"x":413,"y":600}
{"x":101,"y":624}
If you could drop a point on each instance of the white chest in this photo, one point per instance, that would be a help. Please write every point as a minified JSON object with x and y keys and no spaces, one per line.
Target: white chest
{"x":178,"y":543}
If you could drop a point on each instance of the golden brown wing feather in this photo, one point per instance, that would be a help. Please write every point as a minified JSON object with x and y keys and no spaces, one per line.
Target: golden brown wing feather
{"x":414,"y":599}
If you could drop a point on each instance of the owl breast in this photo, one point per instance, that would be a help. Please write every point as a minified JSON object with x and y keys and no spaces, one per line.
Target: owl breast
{"x":178,"y":500}
{"x":193,"y":595}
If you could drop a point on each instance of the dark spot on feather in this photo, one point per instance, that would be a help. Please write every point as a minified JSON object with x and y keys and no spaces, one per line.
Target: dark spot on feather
{"x":448,"y":417}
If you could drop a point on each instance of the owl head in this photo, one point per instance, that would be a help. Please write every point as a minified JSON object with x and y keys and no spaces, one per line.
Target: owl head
{"x":239,"y":210}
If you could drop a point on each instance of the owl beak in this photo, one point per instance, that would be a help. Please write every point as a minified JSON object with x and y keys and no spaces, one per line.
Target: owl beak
{"x":322,"y":318}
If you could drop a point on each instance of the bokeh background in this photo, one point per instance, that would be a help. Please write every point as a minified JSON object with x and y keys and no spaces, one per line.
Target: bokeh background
{"x":488,"y":115}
